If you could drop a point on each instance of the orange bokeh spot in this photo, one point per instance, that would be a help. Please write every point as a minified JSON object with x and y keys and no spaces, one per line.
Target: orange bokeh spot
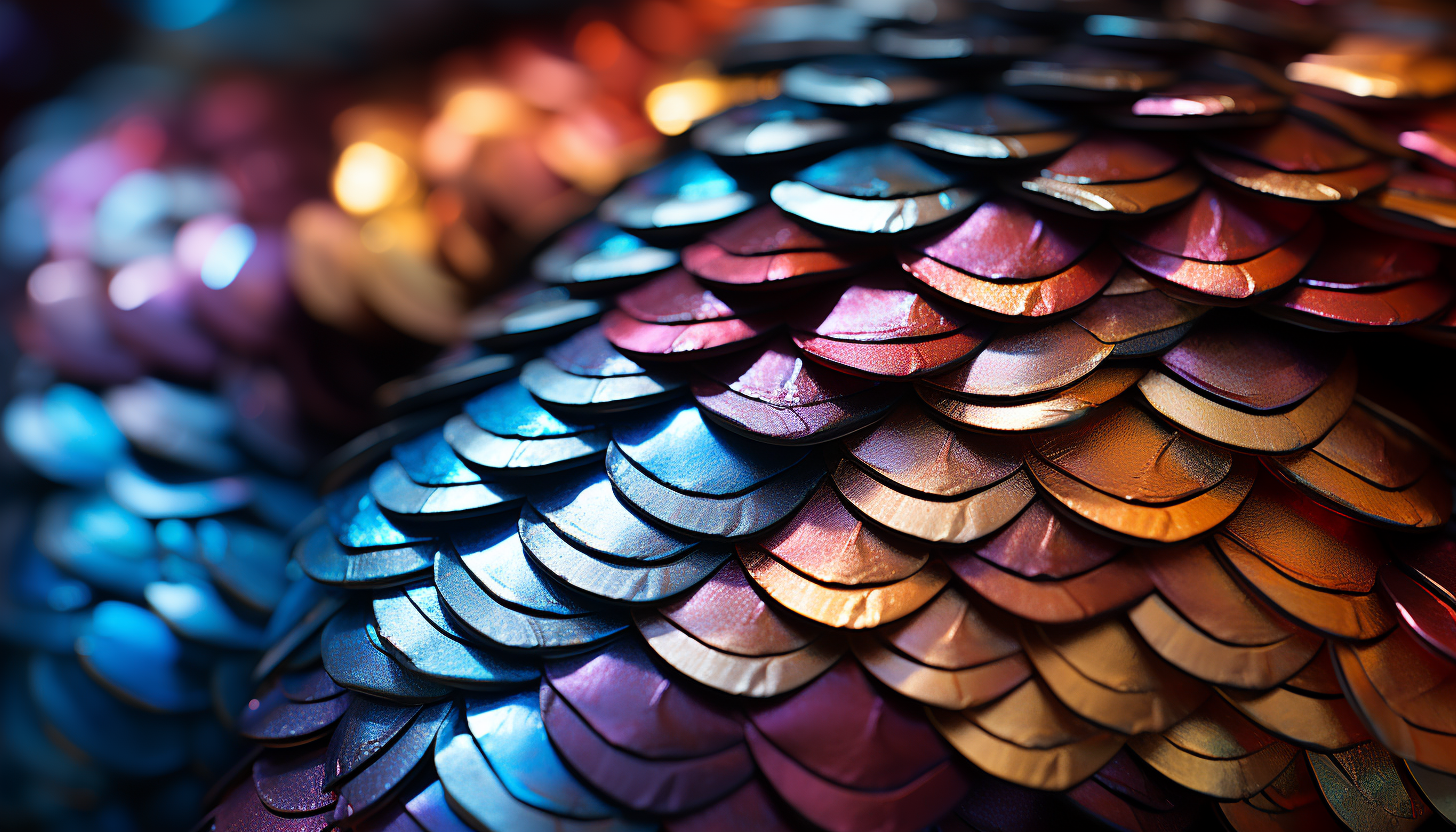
{"x":665,"y":28}
{"x":599,"y":45}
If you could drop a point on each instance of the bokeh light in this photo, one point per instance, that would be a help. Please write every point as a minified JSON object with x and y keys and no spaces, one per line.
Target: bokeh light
{"x":370,"y":178}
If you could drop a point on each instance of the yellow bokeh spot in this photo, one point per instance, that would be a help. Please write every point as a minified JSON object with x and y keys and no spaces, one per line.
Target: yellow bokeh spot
{"x":484,"y":111}
{"x":677,"y":105}
{"x":369,"y":178}
{"x":674,"y":106}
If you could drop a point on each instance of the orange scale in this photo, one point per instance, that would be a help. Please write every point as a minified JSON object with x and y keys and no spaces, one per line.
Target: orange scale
{"x":1305,"y":541}
{"x":1230,"y":282}
{"x":1105,"y":156}
{"x":711,"y":263}
{"x":1353,"y":257}
{"x":1064,"y":290}
{"x":1116,"y":584}
{"x":1403,"y":305}
{"x":1293,"y":145}
{"x":1327,"y":186}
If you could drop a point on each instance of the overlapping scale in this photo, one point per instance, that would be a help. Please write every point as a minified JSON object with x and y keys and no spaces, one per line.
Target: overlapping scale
{"x":881,"y":189}
{"x":747,"y":489}
{"x":917,"y":478}
{"x":1317,"y":567}
{"x":640,"y":737}
{"x":1079,"y":72}
{"x":773,"y":394}
{"x":1029,"y":738}
{"x":1045,"y":568}
{"x":1112,"y":174}
{"x":879,"y":326}
{"x":767,"y":249}
{"x":892,"y":772}
{"x":597,"y":257}
{"x":950,"y":653}
{"x":1008,"y":259}
{"x":858,"y":82}
{"x":728,"y":636}
{"x":1134,"y":552}
{"x":1217,"y":752}
{"x":774,"y":132}
{"x":134,"y":599}
{"x":674,"y":316}
{"x":1211,"y":385}
{"x":1361,"y":279}
{"x":1200,"y":105}
{"x":1224,"y":247}
{"x":1203,"y":622}
{"x":986,"y":127}
{"x":684,"y":193}
{"x":1295,"y":160}
{"x":585,"y":374}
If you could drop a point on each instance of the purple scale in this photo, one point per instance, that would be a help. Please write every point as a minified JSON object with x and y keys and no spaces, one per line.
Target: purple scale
{"x":775,"y":394}
{"x":992,"y":803}
{"x":677,"y":298}
{"x":845,"y":731}
{"x":274,"y":720}
{"x":308,"y":686}
{"x":1221,"y":225}
{"x":392,"y":818}
{"x":243,"y":811}
{"x":751,"y":807}
{"x":1115,"y":809}
{"x":291,"y":781}
{"x":623,"y":695}
{"x":161,"y":330}
{"x":589,"y":353}
{"x":68,"y":331}
{"x":1040,"y":543}
{"x":660,"y":786}
{"x":247,"y":313}
{"x":1256,"y":367}
{"x":776,"y":374}
{"x":432,"y":812}
{"x":1123,"y":775}
{"x":910,"y":807}
{"x":728,"y":612}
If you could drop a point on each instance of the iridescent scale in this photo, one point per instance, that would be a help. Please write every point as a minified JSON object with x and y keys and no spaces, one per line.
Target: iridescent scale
{"x":1002,"y":429}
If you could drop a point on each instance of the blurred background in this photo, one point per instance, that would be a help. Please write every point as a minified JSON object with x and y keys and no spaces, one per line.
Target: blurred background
{"x":225,"y":227}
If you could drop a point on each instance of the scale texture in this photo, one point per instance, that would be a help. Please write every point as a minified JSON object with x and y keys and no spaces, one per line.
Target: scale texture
{"x":1010,"y":425}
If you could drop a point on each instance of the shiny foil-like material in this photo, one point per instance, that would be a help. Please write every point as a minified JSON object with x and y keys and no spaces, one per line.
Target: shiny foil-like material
{"x":1038,"y":424}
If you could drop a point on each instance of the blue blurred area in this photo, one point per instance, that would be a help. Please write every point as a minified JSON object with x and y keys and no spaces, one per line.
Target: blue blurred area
{"x":179,"y":14}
